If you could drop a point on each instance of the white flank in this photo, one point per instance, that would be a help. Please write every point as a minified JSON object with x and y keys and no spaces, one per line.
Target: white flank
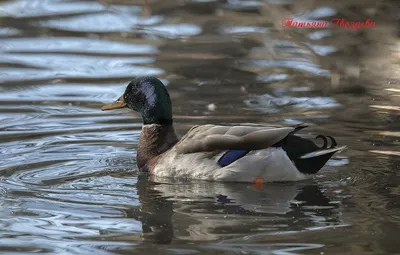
{"x":271,"y":164}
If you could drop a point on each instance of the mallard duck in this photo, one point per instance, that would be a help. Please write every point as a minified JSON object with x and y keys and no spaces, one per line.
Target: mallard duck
{"x":241,"y":153}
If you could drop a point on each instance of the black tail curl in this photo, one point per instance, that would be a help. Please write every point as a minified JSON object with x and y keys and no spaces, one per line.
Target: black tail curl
{"x":296,"y":147}
{"x":324,"y":138}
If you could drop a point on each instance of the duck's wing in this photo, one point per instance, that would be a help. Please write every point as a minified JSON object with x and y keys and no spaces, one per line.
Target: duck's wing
{"x":208,"y":138}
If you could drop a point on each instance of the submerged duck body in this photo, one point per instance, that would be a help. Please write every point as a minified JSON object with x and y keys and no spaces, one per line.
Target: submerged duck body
{"x":241,"y":153}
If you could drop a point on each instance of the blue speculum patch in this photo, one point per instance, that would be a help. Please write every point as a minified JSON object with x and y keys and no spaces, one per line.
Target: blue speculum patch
{"x":231,"y":156}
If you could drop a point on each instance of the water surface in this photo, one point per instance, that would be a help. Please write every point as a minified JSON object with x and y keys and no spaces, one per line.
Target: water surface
{"x":68,"y":177}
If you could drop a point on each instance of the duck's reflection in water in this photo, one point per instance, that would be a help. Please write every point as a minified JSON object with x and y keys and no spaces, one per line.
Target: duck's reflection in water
{"x":155,"y":213}
{"x":206,"y":211}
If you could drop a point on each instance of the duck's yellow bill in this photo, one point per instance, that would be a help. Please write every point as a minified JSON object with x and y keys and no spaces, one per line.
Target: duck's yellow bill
{"x":120,"y":103}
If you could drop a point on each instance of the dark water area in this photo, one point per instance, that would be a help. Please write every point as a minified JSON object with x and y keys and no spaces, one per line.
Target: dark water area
{"x":68,"y":177}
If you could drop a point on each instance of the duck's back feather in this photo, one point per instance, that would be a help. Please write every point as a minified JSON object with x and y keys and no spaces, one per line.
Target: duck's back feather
{"x":209,"y":138}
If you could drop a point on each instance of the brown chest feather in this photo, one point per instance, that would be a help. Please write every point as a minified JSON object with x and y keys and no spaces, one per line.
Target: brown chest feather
{"x":153,"y":141}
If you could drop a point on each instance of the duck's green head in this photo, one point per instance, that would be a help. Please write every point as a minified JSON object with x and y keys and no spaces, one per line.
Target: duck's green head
{"x":149,"y":97}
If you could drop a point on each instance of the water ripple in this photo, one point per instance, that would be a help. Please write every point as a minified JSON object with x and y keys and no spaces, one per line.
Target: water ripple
{"x":270,"y":104}
{"x":40,"y":8}
{"x":107,"y":22}
{"x":64,"y":67}
{"x":73,"y":45}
